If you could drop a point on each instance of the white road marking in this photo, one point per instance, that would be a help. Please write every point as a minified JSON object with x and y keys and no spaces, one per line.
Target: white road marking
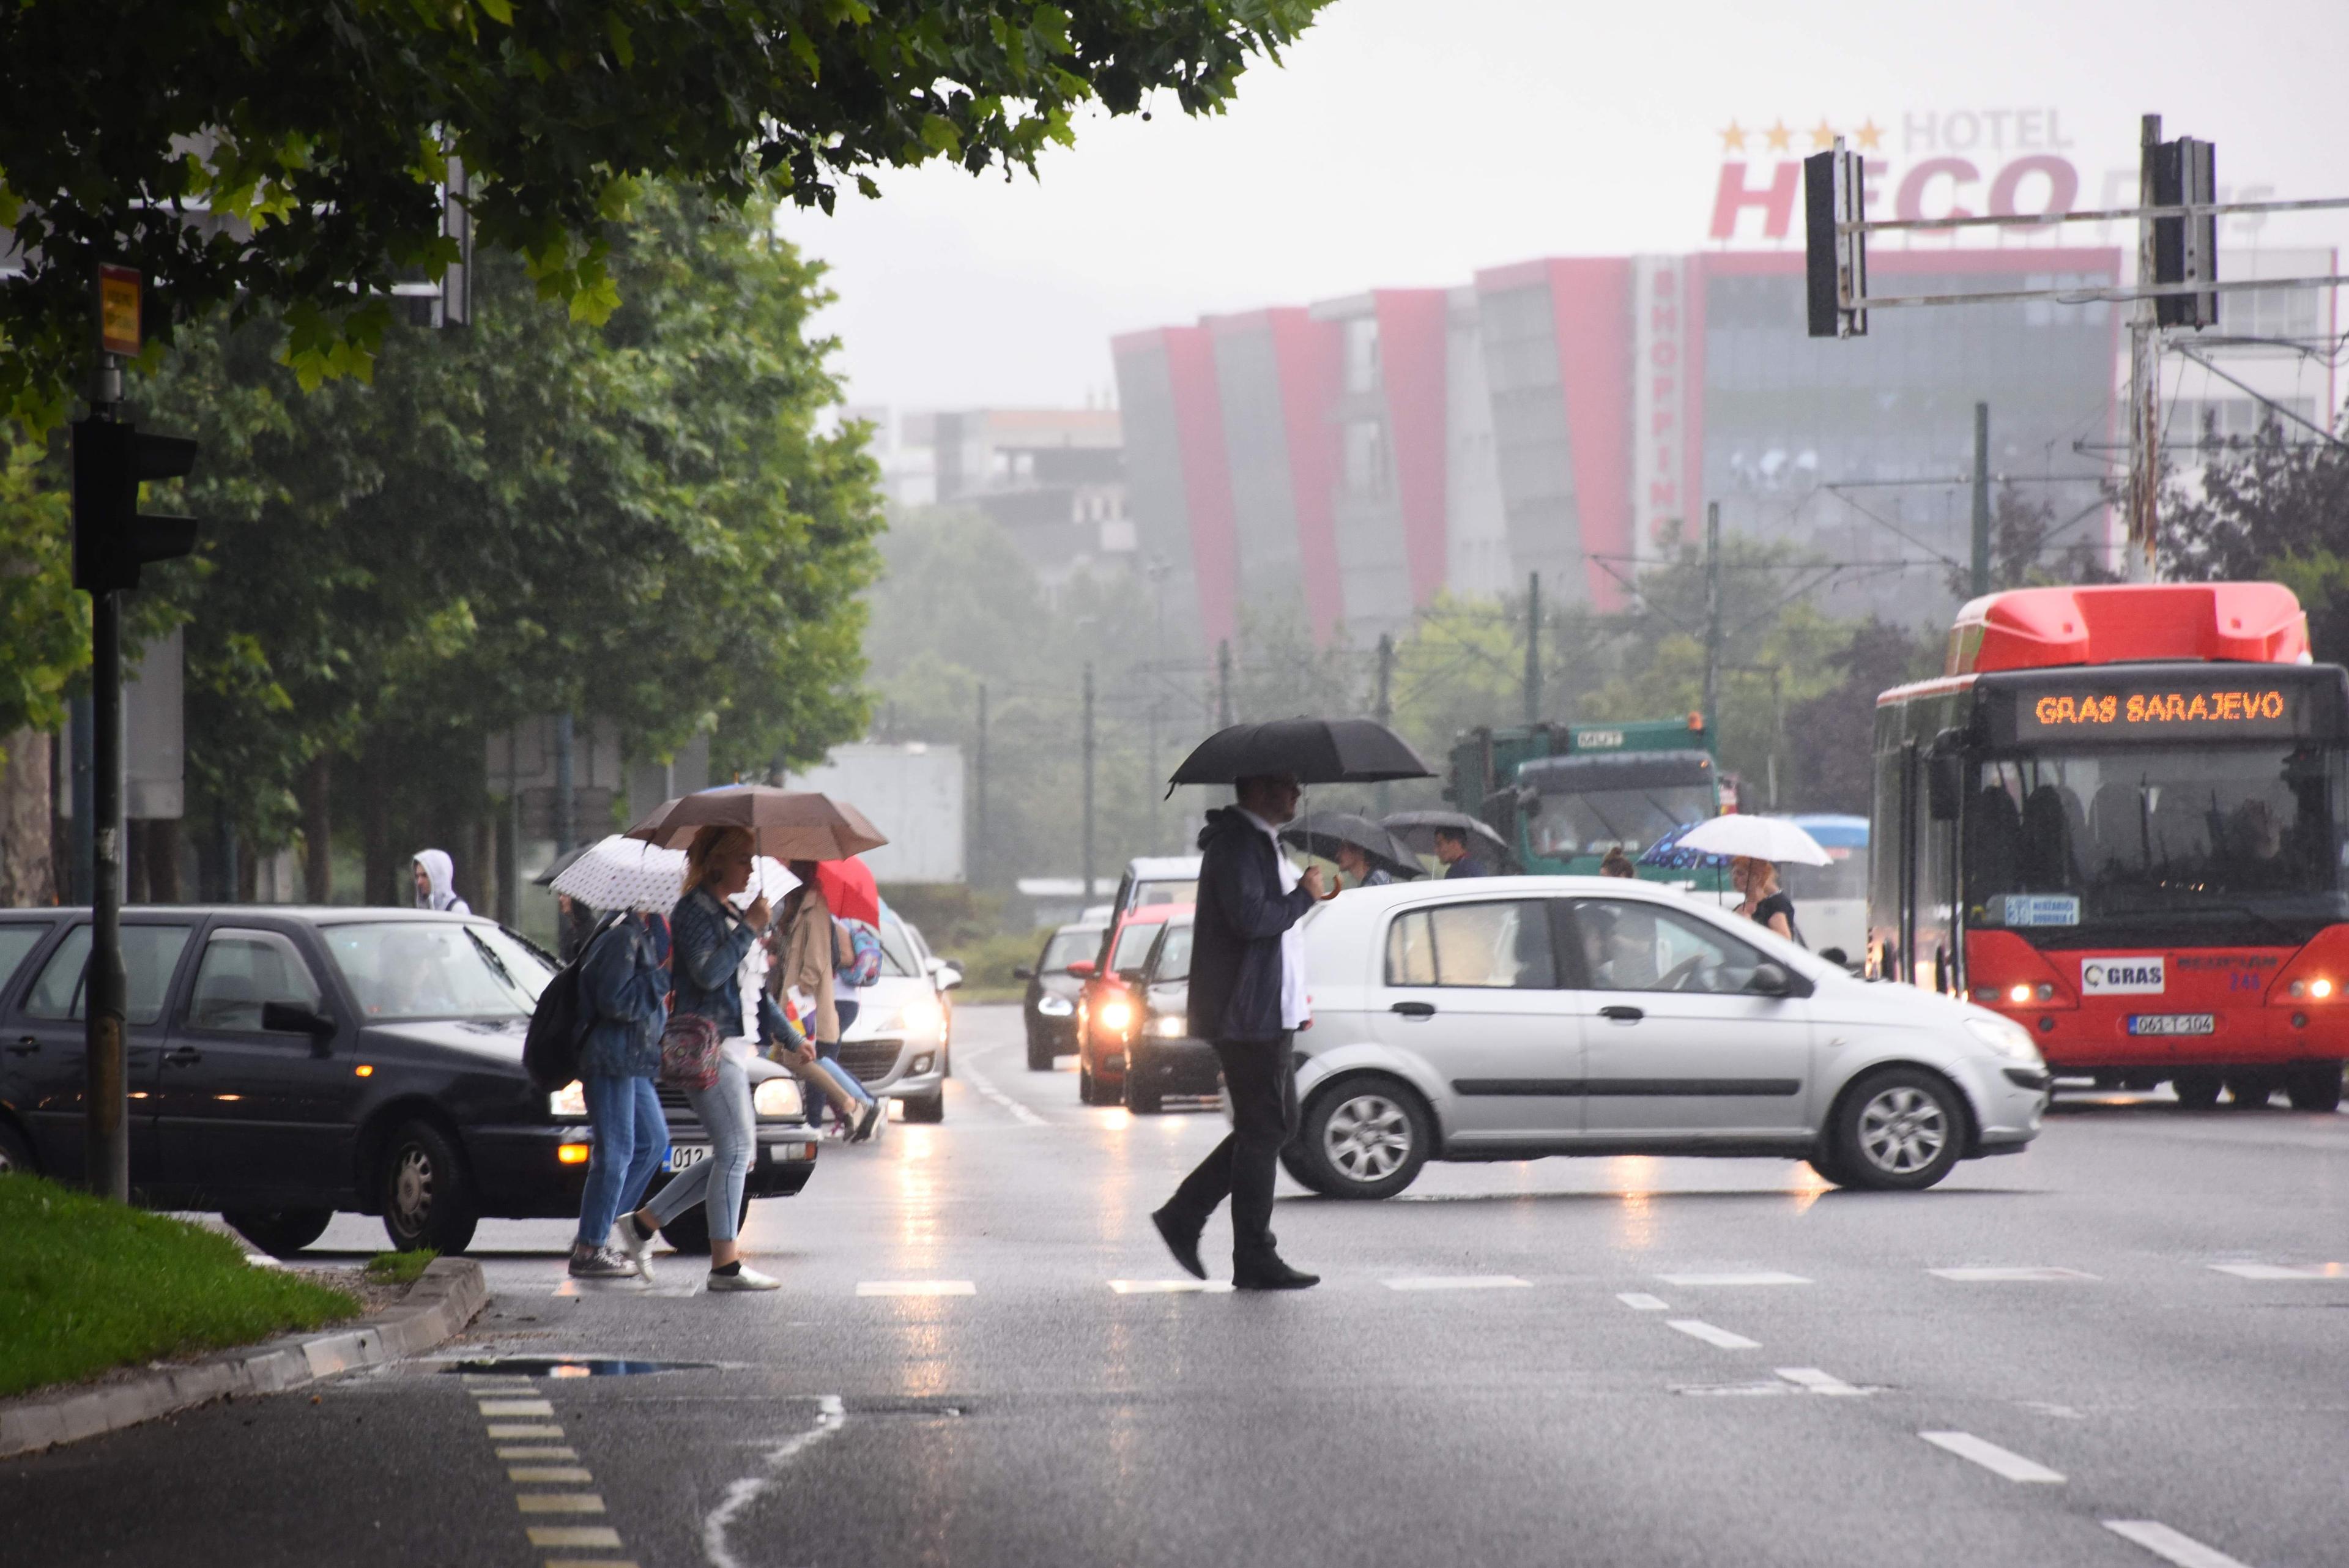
{"x":629,"y":1285}
{"x":1169,"y":1287}
{"x":830,"y":1416}
{"x":1734,"y":1390}
{"x":476,"y":1383}
{"x":1751,"y":1277}
{"x":559,"y":1502}
{"x":574,"y":1535}
{"x":1696,"y":1328}
{"x":500,"y":1430}
{"x":548,"y":1475}
{"x":916,"y":1288}
{"x":1818,"y":1382}
{"x":588,"y":1563}
{"x":516,"y":1407}
{"x":1992,"y":1458}
{"x":1457,"y":1283}
{"x":2004,"y":1275}
{"x":979,"y":1081}
{"x":2063,"y":1412}
{"x":2169,"y":1545}
{"x":545,"y":1452}
{"x":2284,"y":1271}
{"x":1640,"y":1300}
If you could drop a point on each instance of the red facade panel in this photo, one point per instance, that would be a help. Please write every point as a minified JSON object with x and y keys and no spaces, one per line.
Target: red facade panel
{"x":1311,"y":358}
{"x":1591,"y":304}
{"x":1412,"y":324}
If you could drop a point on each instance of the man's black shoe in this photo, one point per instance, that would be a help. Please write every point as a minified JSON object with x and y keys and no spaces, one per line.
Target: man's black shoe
{"x":1272,"y":1274}
{"x":1184,"y":1243}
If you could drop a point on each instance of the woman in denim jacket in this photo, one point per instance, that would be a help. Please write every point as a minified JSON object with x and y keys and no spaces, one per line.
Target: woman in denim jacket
{"x":623,"y":982}
{"x":710,"y":943}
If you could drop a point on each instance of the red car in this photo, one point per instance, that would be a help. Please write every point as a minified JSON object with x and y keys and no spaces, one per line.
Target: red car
{"x":1109,"y":1006}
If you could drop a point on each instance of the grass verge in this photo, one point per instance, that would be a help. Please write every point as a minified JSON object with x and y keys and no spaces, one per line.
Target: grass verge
{"x":89,"y":1285}
{"x":399,"y":1268}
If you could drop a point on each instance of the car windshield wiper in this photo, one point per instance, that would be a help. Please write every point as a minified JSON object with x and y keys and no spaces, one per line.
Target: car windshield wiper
{"x":489,"y":957}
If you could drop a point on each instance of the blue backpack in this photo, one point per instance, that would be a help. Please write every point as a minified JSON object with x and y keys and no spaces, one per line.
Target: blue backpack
{"x":864,"y":965}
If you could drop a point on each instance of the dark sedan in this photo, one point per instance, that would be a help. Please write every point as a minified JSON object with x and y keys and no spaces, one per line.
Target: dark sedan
{"x":284,"y":1064}
{"x":1049,"y":1008}
{"x":1165,"y":1058}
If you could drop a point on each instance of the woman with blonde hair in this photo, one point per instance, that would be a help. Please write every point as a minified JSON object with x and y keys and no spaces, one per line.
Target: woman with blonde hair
{"x":708,"y":941}
{"x":1765,"y":904}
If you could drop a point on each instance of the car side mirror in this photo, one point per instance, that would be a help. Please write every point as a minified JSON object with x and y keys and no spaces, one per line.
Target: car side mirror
{"x":949,"y":974}
{"x":1023,"y":972}
{"x":1082,"y":969}
{"x":1775,"y":979}
{"x":292,"y":1018}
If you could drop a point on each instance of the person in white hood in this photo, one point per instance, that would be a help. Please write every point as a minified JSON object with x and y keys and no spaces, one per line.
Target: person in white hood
{"x":436,"y":882}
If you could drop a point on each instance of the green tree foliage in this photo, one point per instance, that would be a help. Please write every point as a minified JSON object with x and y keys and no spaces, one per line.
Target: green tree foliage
{"x":637,"y":520}
{"x":274,"y":154}
{"x":2277,"y":508}
{"x":44,"y":624}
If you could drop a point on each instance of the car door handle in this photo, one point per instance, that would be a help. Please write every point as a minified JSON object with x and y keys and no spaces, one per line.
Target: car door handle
{"x":1414,"y":1009}
{"x":1622,"y":1013}
{"x":24,"y":1047}
{"x":185,"y":1056}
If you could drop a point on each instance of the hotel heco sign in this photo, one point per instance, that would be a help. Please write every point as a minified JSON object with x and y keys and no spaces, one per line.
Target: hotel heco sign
{"x":1968,"y":163}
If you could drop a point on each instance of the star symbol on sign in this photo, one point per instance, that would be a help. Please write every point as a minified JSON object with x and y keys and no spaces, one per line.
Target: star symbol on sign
{"x":1870,"y":134}
{"x":1734,"y":139}
{"x":1822,"y":134}
{"x":1778,"y":135}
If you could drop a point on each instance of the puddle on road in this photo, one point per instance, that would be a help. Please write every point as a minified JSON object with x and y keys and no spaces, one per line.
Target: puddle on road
{"x":571,"y":1367}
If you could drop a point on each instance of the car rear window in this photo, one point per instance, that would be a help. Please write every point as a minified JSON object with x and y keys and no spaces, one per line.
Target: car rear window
{"x":150,"y":956}
{"x":15,"y":942}
{"x":1149,"y":893}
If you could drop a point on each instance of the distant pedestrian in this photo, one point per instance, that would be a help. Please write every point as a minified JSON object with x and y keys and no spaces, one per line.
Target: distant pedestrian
{"x":1355,"y":861}
{"x":1247,"y":999}
{"x":435,"y":876}
{"x":1459,"y":860}
{"x":1618,"y":864}
{"x":623,"y":982}
{"x":791,"y":1044}
{"x":711,"y":941}
{"x":1764,"y":903}
{"x":574,"y":922}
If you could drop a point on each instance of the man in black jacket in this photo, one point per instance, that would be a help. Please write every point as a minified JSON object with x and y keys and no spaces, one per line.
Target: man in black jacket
{"x":1247,"y":998}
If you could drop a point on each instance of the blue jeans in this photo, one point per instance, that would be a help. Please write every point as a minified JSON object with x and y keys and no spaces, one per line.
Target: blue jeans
{"x":724,"y":1108}
{"x":631,"y":1136}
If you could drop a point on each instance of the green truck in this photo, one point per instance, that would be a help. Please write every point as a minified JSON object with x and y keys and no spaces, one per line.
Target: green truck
{"x":1562,"y":795}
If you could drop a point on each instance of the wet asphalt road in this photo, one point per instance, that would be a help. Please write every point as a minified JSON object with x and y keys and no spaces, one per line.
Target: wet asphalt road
{"x":1607,"y":1361}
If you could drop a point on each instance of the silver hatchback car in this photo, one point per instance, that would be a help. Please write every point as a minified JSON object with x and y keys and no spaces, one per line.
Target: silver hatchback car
{"x":1503,"y":1019}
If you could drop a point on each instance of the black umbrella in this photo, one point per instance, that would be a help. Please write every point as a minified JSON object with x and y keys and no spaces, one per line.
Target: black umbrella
{"x":1312,"y":750}
{"x":1417,"y":831}
{"x":1319,"y":833}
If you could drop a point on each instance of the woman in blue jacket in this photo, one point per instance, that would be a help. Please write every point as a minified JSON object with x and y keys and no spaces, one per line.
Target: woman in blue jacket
{"x":624,"y":982}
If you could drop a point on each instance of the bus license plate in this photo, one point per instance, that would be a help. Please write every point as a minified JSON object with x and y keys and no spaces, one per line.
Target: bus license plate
{"x":684,"y":1156}
{"x":2173,"y":1024}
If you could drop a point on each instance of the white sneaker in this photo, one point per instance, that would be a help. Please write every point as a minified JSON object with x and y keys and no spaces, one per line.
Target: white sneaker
{"x":746,"y":1279}
{"x":638,"y":1250}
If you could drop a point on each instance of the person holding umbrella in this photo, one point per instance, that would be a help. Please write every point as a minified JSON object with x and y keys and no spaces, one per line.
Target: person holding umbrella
{"x":1765,"y":904}
{"x":1354,"y":861}
{"x":1459,"y":860}
{"x":808,"y":959}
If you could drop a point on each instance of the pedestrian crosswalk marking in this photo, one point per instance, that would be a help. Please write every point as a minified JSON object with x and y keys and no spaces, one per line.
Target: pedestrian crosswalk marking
{"x":1640,"y":1300}
{"x":1749,"y":1277}
{"x":559,"y":1502}
{"x":1457,"y":1283}
{"x":1819,"y":1382}
{"x":508,"y":1430}
{"x":550,"y":1451}
{"x":574,"y":1535}
{"x":516,"y":1407}
{"x":916,"y":1288}
{"x":1697,"y":1328}
{"x":547,"y":1474}
{"x":1169,"y":1287}
{"x":2284,"y":1271}
{"x":1999,"y":1461}
{"x":1971,"y":1276}
{"x":2169,"y":1545}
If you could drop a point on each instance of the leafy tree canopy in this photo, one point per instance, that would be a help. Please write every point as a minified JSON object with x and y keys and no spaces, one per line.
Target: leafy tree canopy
{"x":284,"y":155}
{"x":2275,"y":508}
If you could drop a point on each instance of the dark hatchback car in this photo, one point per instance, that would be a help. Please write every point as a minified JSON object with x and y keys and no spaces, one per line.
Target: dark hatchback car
{"x":1165,"y":1058}
{"x":285,"y":1064}
{"x":1049,"y":1008}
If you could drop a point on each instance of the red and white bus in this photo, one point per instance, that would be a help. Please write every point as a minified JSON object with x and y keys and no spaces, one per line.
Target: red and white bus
{"x":2118,"y":818}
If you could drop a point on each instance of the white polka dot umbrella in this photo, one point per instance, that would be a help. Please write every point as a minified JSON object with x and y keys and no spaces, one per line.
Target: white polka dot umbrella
{"x":621,"y":873}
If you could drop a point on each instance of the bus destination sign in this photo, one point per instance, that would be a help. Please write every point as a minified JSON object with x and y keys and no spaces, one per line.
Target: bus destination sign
{"x":2252,"y":710}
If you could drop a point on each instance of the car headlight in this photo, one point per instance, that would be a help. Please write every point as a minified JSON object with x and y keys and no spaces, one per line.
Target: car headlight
{"x":922,"y":1016}
{"x":568,"y":1103}
{"x":1171,"y":1027}
{"x":1052,"y":1006}
{"x":1116,"y":1015}
{"x":2009,"y":1039}
{"x":777,"y":1097}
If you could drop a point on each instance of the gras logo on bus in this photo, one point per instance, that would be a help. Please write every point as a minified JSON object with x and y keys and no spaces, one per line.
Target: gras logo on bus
{"x":2121,"y":977}
{"x":2255,"y":709}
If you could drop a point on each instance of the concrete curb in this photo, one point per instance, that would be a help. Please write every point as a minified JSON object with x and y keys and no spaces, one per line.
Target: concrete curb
{"x":436,"y":1308}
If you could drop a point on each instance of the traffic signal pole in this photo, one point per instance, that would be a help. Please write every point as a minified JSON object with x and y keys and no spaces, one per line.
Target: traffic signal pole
{"x":107,"y":1139}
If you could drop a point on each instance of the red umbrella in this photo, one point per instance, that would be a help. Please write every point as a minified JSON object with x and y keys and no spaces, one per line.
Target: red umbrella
{"x":847,"y":887}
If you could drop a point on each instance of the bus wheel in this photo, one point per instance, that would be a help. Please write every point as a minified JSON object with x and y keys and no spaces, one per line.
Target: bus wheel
{"x":2196,"y":1091}
{"x":2316,"y":1089}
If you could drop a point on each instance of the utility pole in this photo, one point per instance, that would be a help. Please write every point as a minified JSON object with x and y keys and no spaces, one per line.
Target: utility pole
{"x":1533,"y":649}
{"x":565,"y":793}
{"x":1982,"y":502}
{"x":1712,"y":622}
{"x":2145,"y":375}
{"x":978,"y":791}
{"x":1088,"y":872}
{"x":1384,"y":712}
{"x":1224,"y":684}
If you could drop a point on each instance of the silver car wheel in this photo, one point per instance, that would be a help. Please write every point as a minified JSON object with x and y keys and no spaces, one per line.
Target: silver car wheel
{"x":1903,"y":1129}
{"x":1367,"y":1137}
{"x":412,"y":1188}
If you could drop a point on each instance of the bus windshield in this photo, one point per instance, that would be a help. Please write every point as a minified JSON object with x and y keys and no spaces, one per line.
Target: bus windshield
{"x":1592,"y":822}
{"x":2132,"y":840}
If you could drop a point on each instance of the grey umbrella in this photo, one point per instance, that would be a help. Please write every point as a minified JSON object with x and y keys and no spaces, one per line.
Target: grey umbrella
{"x":1320,"y":832}
{"x":1417,"y":831}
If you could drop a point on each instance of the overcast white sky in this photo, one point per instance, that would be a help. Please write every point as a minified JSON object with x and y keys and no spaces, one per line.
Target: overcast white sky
{"x":1410,"y":142}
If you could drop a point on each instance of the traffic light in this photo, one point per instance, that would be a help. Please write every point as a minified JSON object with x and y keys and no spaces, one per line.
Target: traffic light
{"x":1835,"y":265}
{"x":2186,"y":250}
{"x":111,"y":539}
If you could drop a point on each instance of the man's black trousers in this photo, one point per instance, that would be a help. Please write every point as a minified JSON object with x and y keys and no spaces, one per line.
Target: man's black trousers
{"x":1261,"y":1076}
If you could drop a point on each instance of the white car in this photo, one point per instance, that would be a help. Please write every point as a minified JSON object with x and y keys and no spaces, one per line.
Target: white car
{"x":1512,"y":1018}
{"x":897,"y":1045}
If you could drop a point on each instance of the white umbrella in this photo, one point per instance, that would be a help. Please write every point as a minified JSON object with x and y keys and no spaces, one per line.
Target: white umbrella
{"x":621,"y":873}
{"x":1755,"y":837}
